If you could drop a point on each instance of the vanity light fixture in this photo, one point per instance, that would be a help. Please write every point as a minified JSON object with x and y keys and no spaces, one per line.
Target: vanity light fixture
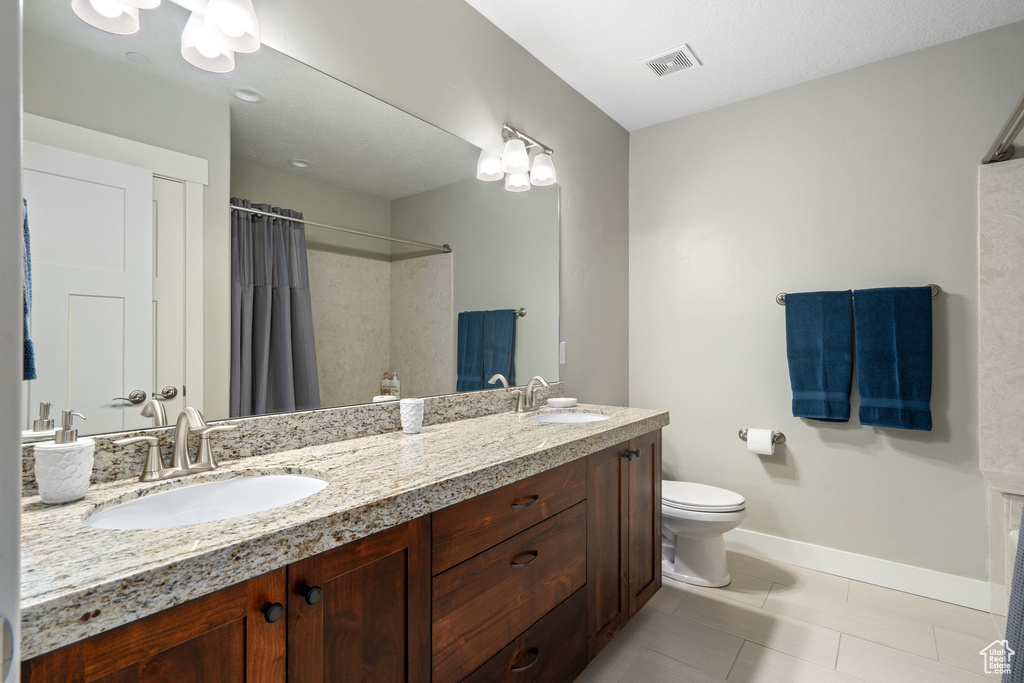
{"x":215,"y":30}
{"x":514,"y":163}
{"x":203,"y":50}
{"x":112,"y":16}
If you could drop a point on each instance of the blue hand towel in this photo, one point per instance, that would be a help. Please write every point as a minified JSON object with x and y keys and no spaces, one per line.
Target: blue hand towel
{"x":470,"y":360}
{"x":819,"y":346}
{"x":499,"y":344}
{"x":28,"y":363}
{"x":894,"y":356}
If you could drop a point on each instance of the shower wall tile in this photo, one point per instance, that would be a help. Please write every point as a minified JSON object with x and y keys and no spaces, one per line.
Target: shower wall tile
{"x":351,"y":298}
{"x":422,"y":325}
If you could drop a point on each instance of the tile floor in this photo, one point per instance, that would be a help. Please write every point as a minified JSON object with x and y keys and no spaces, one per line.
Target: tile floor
{"x":778,"y":622}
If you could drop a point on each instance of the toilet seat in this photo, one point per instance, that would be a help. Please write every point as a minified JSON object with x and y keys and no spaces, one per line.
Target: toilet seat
{"x":687,"y":495}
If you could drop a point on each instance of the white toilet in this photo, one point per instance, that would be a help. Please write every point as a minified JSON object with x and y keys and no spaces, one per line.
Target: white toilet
{"x":693,"y":519}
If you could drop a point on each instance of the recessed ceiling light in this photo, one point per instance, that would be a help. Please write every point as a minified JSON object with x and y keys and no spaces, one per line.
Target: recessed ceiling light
{"x":299,"y":163}
{"x":137,"y":57}
{"x":248,"y":94}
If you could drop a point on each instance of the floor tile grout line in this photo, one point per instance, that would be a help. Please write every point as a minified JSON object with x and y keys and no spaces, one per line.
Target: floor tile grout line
{"x":734,"y":660}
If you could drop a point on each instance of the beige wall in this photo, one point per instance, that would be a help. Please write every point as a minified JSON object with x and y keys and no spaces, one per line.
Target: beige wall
{"x":863,"y":179}
{"x":505,"y":255}
{"x":78,"y":87}
{"x":320,"y":202}
{"x":445,"y":63}
{"x":10,"y":311}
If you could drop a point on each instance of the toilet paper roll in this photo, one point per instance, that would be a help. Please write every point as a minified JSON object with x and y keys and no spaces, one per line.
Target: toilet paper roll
{"x":760,"y":441}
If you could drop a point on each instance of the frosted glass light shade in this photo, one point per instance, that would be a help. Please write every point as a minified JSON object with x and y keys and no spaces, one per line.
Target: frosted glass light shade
{"x":543,"y":171}
{"x":233,"y":23}
{"x":142,"y":4}
{"x":517,"y":182}
{"x":488,"y":166}
{"x":111,"y":16}
{"x":514,"y":159}
{"x":202,"y":50}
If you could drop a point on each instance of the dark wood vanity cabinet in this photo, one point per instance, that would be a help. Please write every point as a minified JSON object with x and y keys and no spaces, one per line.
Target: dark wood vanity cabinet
{"x":234,"y":635}
{"x":525,"y":583}
{"x":623,"y":535}
{"x":361,"y":612}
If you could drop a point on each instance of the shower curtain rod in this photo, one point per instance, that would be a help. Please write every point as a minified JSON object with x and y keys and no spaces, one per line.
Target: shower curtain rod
{"x":444,"y":248}
{"x":1002,"y":148}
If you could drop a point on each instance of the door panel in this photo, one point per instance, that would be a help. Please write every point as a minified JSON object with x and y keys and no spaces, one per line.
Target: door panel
{"x":86,"y":215}
{"x":169,"y":329}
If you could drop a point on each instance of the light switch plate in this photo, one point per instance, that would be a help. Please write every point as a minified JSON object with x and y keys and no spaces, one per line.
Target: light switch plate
{"x":561,"y":353}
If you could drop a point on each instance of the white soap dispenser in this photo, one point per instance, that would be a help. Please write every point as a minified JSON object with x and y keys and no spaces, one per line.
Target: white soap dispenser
{"x":396,"y":386}
{"x":64,"y":466}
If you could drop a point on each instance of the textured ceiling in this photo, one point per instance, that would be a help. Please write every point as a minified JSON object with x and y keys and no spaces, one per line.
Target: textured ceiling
{"x":353,"y":140}
{"x":747,"y":48}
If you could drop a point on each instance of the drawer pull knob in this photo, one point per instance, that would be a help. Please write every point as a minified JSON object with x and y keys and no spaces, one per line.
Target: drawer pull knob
{"x":530,"y":554}
{"x":272,"y":611}
{"x":525,"y":502}
{"x":523,"y":667}
{"x":629,"y":455}
{"x":312,"y":594}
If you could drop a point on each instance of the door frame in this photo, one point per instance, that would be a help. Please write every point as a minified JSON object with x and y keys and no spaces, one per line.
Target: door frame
{"x":193,"y":172}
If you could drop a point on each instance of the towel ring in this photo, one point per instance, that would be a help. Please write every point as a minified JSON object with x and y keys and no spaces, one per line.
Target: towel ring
{"x":780,"y":298}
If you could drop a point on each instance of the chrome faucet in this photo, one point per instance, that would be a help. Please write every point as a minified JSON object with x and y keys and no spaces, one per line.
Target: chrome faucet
{"x":181,"y":464}
{"x":528,"y":397}
{"x":155,"y":409}
{"x":188,"y":419}
{"x":499,"y":378}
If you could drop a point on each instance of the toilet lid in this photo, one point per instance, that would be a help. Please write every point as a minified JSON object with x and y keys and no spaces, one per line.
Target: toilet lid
{"x":687,"y":495}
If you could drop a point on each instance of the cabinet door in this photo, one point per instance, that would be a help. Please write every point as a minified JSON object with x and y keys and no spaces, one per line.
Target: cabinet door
{"x":607,"y":542}
{"x":220,"y":637}
{"x":368,"y":615}
{"x":644,"y":520}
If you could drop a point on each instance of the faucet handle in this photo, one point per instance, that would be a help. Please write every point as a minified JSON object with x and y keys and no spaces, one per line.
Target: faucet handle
{"x":154,"y":465}
{"x":206,"y":460}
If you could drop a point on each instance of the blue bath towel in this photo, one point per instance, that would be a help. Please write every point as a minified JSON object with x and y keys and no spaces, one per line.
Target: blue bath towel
{"x":470,"y":359}
{"x":499,"y":344}
{"x":819,"y":346}
{"x":894,"y":356}
{"x":28,"y":364}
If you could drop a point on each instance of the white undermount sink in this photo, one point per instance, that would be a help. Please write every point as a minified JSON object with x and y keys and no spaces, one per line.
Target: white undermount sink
{"x":209,"y":502}
{"x":567,"y":418}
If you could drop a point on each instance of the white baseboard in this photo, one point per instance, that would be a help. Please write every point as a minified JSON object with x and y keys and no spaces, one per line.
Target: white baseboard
{"x":958,"y":590}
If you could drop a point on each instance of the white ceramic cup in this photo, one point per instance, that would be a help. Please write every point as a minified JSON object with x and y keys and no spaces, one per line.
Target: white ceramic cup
{"x":412,"y":415}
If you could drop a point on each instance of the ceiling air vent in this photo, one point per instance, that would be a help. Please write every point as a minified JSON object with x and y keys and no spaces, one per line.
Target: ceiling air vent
{"x":679,"y":59}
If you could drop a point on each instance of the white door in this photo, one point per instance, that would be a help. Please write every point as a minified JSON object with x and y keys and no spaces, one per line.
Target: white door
{"x":90,"y":220}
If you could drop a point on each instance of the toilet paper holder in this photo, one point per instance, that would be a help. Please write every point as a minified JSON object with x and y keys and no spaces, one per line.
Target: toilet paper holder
{"x":777,"y":437}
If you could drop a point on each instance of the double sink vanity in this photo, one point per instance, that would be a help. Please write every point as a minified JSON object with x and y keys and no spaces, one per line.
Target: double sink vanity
{"x":488,"y":547}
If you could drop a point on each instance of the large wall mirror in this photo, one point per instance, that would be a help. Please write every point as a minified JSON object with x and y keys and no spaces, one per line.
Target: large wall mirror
{"x":132,"y":159}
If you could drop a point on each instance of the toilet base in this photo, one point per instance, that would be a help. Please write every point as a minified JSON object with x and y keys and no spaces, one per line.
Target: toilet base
{"x":699,"y":561}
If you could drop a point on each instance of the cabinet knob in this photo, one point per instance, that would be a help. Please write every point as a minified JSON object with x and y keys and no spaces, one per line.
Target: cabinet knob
{"x":312,"y":594}
{"x":629,"y":455}
{"x":272,"y":611}
{"x":519,"y":668}
{"x":636,"y":453}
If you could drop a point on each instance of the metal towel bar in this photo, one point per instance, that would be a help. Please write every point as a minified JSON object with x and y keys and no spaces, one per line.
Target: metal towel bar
{"x":780,"y":298}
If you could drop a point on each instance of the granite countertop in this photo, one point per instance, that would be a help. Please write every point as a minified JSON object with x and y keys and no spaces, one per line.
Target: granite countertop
{"x":77,"y":581}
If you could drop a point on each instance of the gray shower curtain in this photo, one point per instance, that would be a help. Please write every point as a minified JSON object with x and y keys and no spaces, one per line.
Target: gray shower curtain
{"x":273,"y":357}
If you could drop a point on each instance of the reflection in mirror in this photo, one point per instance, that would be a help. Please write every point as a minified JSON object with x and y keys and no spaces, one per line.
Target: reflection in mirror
{"x":132,"y":156}
{"x":6,"y":648}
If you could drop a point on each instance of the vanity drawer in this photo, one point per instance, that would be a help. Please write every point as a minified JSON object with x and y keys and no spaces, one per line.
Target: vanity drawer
{"x":484,"y":603}
{"x":554,"y":649}
{"x":465,"y":529}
